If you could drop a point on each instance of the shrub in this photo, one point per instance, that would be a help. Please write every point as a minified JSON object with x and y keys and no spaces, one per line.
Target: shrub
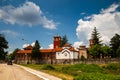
{"x":113,"y":67}
{"x":48,"y":67}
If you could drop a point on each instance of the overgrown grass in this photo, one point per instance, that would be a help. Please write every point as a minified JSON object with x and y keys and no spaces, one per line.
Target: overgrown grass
{"x":96,"y":76}
{"x":81,"y":71}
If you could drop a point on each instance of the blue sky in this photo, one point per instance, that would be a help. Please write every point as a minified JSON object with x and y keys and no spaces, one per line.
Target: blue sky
{"x":24,"y":21}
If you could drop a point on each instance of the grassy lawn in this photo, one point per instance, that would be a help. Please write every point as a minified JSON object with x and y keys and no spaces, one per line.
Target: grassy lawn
{"x":81,"y":71}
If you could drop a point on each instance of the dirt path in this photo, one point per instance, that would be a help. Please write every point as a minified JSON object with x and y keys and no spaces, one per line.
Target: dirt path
{"x":12,"y":72}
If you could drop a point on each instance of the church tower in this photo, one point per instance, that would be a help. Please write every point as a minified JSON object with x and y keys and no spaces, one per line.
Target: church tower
{"x":57,"y":40}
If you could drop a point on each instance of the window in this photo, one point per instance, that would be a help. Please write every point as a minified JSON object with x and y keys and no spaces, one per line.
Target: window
{"x":65,"y":54}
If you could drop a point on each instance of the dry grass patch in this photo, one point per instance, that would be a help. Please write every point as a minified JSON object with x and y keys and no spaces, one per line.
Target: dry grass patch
{"x":60,"y":75}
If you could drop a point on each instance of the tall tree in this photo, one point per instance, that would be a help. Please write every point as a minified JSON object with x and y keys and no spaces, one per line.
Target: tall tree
{"x":96,"y":36}
{"x":36,"y":55}
{"x":64,"y":40}
{"x":106,"y":51}
{"x":95,"y":51}
{"x":12,"y":55}
{"x":3,"y":45}
{"x":115,"y":43}
{"x":118,"y":52}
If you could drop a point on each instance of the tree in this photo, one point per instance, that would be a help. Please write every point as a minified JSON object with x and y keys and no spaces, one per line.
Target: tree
{"x":13,"y":54}
{"x":36,"y":55}
{"x":115,"y":43}
{"x":106,"y":51}
{"x":64,"y":40}
{"x":95,"y":51}
{"x":118,"y":52}
{"x":82,"y":58}
{"x":3,"y":45}
{"x":96,"y":36}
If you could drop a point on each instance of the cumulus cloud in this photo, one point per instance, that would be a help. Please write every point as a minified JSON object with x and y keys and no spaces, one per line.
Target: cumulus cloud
{"x":50,"y":46}
{"x":77,"y":44}
{"x":25,"y":45}
{"x":32,"y":44}
{"x":9,"y":33}
{"x":107,"y":23}
{"x":29,"y":13}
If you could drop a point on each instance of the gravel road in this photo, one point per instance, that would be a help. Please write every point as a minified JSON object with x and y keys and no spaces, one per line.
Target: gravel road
{"x":12,"y":72}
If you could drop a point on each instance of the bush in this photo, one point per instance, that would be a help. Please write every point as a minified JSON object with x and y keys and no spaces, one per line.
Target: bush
{"x":113,"y":67}
{"x":48,"y":67}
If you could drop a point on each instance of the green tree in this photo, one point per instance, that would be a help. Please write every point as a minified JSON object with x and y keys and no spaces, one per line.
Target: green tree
{"x":95,"y":51}
{"x":64,"y":40}
{"x":96,"y":36}
{"x":13,"y":54}
{"x":115,"y":43}
{"x":3,"y":45}
{"x":36,"y":55}
{"x":82,"y":58}
{"x":118,"y":52}
{"x":106,"y":50}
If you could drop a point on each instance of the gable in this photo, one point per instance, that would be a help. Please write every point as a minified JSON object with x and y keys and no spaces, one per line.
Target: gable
{"x":65,"y":51}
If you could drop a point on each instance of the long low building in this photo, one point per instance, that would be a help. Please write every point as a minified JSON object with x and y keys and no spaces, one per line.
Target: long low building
{"x":57,"y":55}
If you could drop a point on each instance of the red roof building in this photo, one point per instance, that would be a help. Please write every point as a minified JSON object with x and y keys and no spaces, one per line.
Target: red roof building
{"x":57,"y":55}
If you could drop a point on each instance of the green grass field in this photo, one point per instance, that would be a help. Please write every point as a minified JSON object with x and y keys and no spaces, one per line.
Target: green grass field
{"x":81,"y":71}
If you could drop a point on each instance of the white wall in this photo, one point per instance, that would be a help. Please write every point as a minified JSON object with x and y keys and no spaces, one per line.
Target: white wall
{"x":66,"y":54}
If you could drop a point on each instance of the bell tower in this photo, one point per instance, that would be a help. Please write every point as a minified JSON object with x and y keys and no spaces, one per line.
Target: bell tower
{"x":57,"y":40}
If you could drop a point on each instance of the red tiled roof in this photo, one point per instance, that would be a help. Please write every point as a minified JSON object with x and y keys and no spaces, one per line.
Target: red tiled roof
{"x":24,"y":51}
{"x":72,"y":49}
{"x":45,"y":50}
{"x":67,"y":45}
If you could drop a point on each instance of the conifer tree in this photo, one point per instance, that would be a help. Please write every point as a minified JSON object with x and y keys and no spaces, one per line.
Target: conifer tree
{"x":115,"y":43}
{"x":64,"y":40}
{"x":95,"y":50}
{"x":36,"y":55}
{"x":96,"y":36}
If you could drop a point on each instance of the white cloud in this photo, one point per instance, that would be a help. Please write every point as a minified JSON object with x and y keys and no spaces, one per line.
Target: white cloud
{"x":50,"y":46}
{"x":9,"y":33}
{"x":112,"y":8}
{"x":77,"y":44}
{"x":82,"y":13}
{"x":107,"y":23}
{"x":25,"y":45}
{"x":33,"y":44}
{"x":29,"y":13}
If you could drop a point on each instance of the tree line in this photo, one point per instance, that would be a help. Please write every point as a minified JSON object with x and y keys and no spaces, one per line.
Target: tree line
{"x":101,"y":50}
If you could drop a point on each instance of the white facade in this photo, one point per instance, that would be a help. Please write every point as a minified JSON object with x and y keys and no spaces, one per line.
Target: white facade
{"x":66,"y":54}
